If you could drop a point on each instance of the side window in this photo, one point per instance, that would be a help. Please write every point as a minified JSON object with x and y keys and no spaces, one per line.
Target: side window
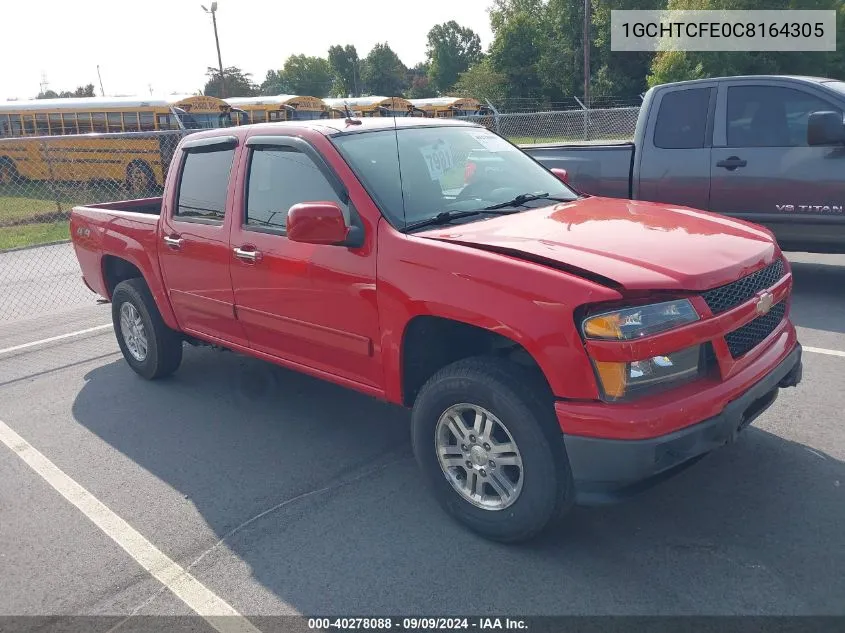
{"x":69,"y":121}
{"x":202,"y":188}
{"x":130,"y":122}
{"x":99,"y":120}
{"x":280,"y":177}
{"x":55,"y":123}
{"x":84,"y":121}
{"x":115,"y":124}
{"x":770,"y":116}
{"x":682,"y":119}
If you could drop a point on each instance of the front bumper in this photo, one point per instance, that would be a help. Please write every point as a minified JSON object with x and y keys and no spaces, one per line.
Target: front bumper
{"x":606,"y":469}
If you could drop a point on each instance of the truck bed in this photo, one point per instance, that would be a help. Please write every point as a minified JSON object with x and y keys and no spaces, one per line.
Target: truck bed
{"x":597,"y":169}
{"x":149,"y":206}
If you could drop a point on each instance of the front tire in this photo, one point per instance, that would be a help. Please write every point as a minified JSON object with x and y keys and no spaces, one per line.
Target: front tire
{"x":487,"y":441}
{"x":151,"y":348}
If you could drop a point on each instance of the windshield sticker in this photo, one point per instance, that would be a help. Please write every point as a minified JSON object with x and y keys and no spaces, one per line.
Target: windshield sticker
{"x":439,"y":159}
{"x":491,"y":142}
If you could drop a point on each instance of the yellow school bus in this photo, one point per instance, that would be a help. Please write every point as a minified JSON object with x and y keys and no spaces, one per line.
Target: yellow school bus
{"x":444,"y":107}
{"x":280,"y":108}
{"x":74,"y":140}
{"x":370,"y":106}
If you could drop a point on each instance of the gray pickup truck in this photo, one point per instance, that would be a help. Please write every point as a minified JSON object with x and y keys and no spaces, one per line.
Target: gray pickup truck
{"x":767,"y":149}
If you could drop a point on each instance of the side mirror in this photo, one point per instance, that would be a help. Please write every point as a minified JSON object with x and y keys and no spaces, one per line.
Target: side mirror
{"x":318,"y":223}
{"x":561,"y":174}
{"x":825,"y":128}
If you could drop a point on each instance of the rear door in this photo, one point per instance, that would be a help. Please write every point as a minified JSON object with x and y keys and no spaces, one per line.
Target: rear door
{"x":674,"y":162}
{"x":762,"y":169}
{"x":195,"y":253}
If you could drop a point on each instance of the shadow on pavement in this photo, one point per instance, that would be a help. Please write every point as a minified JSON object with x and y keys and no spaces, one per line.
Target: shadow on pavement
{"x":754,"y":528}
{"x":819,"y":296}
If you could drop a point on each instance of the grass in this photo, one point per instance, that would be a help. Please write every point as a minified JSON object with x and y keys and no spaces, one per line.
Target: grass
{"x":32,"y":234}
{"x":14,"y":209}
{"x":30,"y":215}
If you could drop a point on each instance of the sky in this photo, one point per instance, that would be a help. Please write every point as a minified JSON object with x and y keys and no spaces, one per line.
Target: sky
{"x":168,"y":44}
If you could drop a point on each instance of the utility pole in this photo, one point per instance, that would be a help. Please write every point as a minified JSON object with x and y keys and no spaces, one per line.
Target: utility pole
{"x":587,"y":54}
{"x":213,"y":13}
{"x":102,"y":92}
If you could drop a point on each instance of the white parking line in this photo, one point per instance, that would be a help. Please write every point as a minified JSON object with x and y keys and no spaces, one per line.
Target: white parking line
{"x":55,"y":338}
{"x":216,"y":611}
{"x":821,"y":350}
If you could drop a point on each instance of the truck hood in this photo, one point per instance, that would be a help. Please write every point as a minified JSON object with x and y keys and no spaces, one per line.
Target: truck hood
{"x":633,"y":244}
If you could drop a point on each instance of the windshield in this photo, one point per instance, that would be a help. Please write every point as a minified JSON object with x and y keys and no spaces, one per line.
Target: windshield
{"x":195,"y":121}
{"x":305,"y":115}
{"x":444,"y":169}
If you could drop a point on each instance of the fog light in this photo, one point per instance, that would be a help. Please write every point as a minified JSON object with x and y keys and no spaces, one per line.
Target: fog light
{"x":623,"y":380}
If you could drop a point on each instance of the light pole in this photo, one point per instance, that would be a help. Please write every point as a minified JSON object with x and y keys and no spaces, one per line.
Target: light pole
{"x":213,"y":13}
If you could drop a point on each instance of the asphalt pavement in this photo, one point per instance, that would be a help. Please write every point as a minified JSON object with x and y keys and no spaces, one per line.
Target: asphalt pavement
{"x":282,"y":494}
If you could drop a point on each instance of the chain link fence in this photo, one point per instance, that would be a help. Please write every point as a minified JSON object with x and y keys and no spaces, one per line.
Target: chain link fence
{"x":43,"y":178}
{"x":563,"y":126}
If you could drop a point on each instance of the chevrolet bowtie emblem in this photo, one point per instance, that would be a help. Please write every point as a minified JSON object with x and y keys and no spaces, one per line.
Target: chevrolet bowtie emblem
{"x":764,"y":303}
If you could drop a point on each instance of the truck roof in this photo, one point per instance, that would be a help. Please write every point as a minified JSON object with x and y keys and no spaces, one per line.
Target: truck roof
{"x":333,"y":127}
{"x":740,"y":78}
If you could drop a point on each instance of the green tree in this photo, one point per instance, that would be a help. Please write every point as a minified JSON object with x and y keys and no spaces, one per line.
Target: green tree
{"x":238,"y":83}
{"x":304,"y":75}
{"x":482,"y":82}
{"x":451,"y":50}
{"x":671,"y":66}
{"x":516,"y":49}
{"x":344,"y":65}
{"x":274,"y":84}
{"x":419,"y":84}
{"x":383,"y":72}
{"x":81,"y":91}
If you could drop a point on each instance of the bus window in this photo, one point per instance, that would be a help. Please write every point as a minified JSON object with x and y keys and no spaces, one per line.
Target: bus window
{"x":83,"y":119}
{"x":115,"y":124}
{"x":147,"y":124}
{"x":41,"y":127}
{"x":55,"y":121}
{"x":99,"y":120}
{"x":277,"y":115}
{"x":165,"y":122}
{"x":28,"y":124}
{"x":69,"y":123}
{"x":15,"y":119}
{"x":130,"y":122}
{"x":5,"y":128}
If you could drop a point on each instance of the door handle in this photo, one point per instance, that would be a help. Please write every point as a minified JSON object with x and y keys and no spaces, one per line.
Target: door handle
{"x":173,"y":242}
{"x":732,"y":163}
{"x":247,"y":256}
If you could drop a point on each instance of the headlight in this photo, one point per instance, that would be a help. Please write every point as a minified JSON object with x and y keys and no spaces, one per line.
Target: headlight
{"x":623,"y":380}
{"x":629,"y":323}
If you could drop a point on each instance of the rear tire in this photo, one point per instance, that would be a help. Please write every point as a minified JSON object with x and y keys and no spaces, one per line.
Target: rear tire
{"x":151,"y":348}
{"x":525,"y":483}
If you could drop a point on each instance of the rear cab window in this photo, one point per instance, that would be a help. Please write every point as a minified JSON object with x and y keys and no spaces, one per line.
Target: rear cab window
{"x":682,"y":119}
{"x":203,"y":186}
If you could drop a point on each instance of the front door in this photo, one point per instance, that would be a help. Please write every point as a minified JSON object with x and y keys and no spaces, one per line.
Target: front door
{"x":764,"y":171}
{"x":195,"y":251}
{"x":314,"y":305}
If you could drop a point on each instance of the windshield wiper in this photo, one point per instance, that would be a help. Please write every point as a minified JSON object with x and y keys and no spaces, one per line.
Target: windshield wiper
{"x":522,"y":198}
{"x":444,"y":217}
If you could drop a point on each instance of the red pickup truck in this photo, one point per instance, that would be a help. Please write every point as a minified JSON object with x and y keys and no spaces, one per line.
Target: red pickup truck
{"x":555,"y":347}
